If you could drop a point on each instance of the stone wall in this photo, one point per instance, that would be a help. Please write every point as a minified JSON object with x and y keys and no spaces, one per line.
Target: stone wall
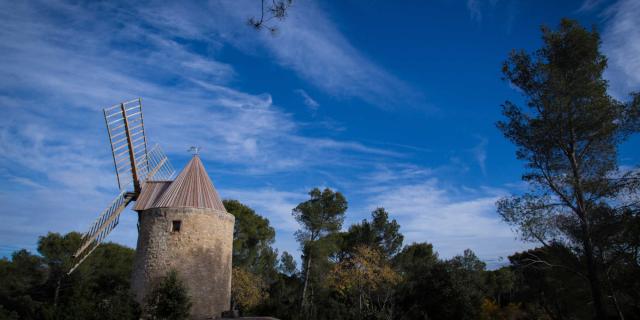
{"x":200,"y":252}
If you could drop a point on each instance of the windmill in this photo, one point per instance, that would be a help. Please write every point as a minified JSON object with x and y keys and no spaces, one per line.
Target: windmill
{"x":182,"y":223}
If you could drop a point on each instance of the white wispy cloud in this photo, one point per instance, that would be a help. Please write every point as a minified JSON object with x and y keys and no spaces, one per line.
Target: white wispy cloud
{"x":63,"y":61}
{"x":308,"y":101}
{"x":480,"y":154}
{"x":589,"y":5}
{"x":452,"y":218}
{"x":308,"y":42}
{"x":621,"y":45}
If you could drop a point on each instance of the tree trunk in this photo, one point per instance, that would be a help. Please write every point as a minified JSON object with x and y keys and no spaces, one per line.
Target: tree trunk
{"x":592,"y":267}
{"x":592,"y":275}
{"x":303,"y":303}
{"x":56,"y":294}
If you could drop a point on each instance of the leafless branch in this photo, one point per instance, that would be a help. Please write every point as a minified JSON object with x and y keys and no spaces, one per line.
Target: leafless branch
{"x":277,"y":9}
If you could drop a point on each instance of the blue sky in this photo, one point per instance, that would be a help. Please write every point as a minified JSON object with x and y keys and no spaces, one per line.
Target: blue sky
{"x":393,"y":104}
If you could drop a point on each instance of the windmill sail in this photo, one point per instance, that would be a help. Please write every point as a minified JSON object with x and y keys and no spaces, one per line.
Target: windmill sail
{"x":134,"y":166}
{"x":160,"y":167}
{"x":161,"y":170}
{"x":100,"y":228}
{"x":125,"y":126}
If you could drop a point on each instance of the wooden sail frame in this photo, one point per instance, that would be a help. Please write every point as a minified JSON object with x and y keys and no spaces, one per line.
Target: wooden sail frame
{"x":100,"y":228}
{"x":134,"y":165}
{"x":128,"y":141}
{"x":107,"y":221}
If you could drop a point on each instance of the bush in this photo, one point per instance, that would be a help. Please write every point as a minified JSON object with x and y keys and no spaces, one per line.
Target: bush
{"x":169,"y":299}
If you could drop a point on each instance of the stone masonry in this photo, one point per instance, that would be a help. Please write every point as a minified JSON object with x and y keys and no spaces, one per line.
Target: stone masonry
{"x":200,"y":252}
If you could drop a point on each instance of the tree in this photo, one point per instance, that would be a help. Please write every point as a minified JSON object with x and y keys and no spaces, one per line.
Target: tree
{"x":253,"y":238}
{"x":287,"y":264}
{"x":435,"y":289}
{"x":499,"y":284}
{"x":21,"y":279}
{"x":320,"y":217}
{"x":568,"y":137}
{"x":467,"y":280}
{"x":106,"y":276}
{"x":366,"y":282}
{"x":36,"y":286}
{"x":547,"y":285}
{"x":57,"y":252}
{"x":379,"y":233}
{"x":247,"y":290}
{"x":169,"y":299}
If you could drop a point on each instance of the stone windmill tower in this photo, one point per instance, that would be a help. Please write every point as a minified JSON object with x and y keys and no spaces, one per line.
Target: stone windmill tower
{"x":182,"y":224}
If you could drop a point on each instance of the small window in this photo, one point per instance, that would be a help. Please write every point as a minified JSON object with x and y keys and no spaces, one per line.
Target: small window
{"x":175,"y":225}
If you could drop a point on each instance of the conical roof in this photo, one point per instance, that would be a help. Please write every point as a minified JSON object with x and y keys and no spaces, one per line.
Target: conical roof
{"x":191,"y":189}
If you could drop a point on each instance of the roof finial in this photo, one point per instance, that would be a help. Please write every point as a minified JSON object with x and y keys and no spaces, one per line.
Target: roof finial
{"x":195,"y":150}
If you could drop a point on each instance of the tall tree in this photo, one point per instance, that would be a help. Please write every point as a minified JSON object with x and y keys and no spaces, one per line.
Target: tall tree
{"x":320,"y":217}
{"x":253,"y":238}
{"x":380,"y":233}
{"x":568,"y":135}
{"x":57,"y":251}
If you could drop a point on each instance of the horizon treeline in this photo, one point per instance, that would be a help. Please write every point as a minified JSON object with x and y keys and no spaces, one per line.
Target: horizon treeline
{"x":581,"y":209}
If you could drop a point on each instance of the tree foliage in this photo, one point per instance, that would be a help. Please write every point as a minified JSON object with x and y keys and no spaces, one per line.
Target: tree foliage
{"x":437,"y":289}
{"x":568,"y":136}
{"x":366,"y":283}
{"x":36,"y":286}
{"x":379,"y":233}
{"x":321,"y":218}
{"x":288,"y":265}
{"x":169,"y":299}
{"x":253,"y":238}
{"x":247,"y":290}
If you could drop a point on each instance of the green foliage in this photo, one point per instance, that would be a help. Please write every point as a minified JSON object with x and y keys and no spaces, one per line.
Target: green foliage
{"x":247,"y":290}
{"x":379,"y":233}
{"x":169,"y":300}
{"x":435,"y":289}
{"x":284,"y":298}
{"x":252,"y":239}
{"x":499,"y":284}
{"x":415,"y":258}
{"x":321,"y":215}
{"x":254,"y":259}
{"x":557,"y":292}
{"x":287,"y":264}
{"x":21,"y":279}
{"x":365,"y":283}
{"x":568,"y":135}
{"x":321,"y":218}
{"x":36,"y":287}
